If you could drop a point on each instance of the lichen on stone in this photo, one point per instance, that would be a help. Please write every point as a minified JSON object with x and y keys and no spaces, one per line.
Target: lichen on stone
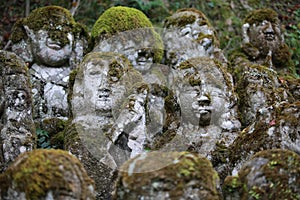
{"x":57,"y":20}
{"x":167,"y":175}
{"x":40,"y":172}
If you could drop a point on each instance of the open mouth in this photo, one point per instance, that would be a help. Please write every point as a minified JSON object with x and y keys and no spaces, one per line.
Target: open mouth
{"x":270,"y":36}
{"x":54,"y":45}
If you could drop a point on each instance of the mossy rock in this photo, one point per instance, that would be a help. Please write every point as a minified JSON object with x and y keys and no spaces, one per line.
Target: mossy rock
{"x":269,"y":174}
{"x":119,"y":19}
{"x":39,"y":172}
{"x":154,"y":173}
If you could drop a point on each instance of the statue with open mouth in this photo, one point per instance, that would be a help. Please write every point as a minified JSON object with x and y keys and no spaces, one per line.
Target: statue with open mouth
{"x":52,"y":44}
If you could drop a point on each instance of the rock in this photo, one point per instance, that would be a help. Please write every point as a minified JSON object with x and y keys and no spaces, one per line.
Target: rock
{"x":167,"y":175}
{"x":46,"y":174}
{"x":269,"y":174}
{"x":17,"y":127}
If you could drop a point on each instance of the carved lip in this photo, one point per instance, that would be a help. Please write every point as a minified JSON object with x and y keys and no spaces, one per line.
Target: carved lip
{"x":270,"y":36}
{"x":54,"y":44}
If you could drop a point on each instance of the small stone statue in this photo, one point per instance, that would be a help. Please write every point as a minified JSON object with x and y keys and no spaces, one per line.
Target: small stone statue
{"x":263,"y":43}
{"x":205,"y":95}
{"x":188,"y":34}
{"x":167,"y":175}
{"x":52,"y":43}
{"x":102,"y":83}
{"x":128,"y":31}
{"x":269,"y":174}
{"x":17,"y":127}
{"x":46,"y":174}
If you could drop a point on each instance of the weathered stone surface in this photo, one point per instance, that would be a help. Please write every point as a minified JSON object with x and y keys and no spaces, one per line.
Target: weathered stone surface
{"x":277,"y":127}
{"x":269,"y":174}
{"x":206,"y":99}
{"x":189,"y":34}
{"x":128,"y":31}
{"x":167,"y":175}
{"x":102,"y":84}
{"x":17,"y":126}
{"x":52,"y":43}
{"x":46,"y":174}
{"x":263,"y":42}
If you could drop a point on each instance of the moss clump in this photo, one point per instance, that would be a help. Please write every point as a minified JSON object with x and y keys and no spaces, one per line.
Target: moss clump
{"x":281,"y":173}
{"x":122,"y":24}
{"x":119,"y":19}
{"x":10,"y":63}
{"x":38,"y":172}
{"x":257,"y":16}
{"x":171,"y":172}
{"x":57,"y":20}
{"x":185,"y":16}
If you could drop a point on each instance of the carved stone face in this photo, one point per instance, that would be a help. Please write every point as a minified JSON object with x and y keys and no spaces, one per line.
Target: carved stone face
{"x":192,"y":39}
{"x":139,"y":52}
{"x":100,"y":86}
{"x":51,"y":52}
{"x":265,"y":36}
{"x":200,"y":103}
{"x":203,"y":93}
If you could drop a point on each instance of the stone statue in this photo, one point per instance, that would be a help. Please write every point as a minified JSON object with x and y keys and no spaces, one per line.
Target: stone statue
{"x":205,"y":95}
{"x":52,"y":44}
{"x":102,"y":84}
{"x":269,"y":174}
{"x":128,"y":31}
{"x":263,"y":44}
{"x":275,"y":127}
{"x":46,"y":174}
{"x":167,"y":175}
{"x":17,"y":127}
{"x":188,"y":34}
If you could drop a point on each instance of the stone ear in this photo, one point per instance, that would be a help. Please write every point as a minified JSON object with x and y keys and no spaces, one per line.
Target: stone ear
{"x":245,"y":29}
{"x":29,"y":32}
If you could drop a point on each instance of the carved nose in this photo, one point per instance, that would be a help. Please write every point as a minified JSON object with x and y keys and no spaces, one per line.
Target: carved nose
{"x":269,"y":29}
{"x":203,"y":100}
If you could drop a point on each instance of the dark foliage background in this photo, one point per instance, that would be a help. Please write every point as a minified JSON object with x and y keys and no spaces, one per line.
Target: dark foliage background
{"x":225,"y":15}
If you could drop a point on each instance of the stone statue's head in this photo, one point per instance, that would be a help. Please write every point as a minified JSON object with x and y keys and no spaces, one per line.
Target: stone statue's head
{"x":128,"y":31}
{"x":46,"y":174}
{"x":49,"y":36}
{"x":167,"y":175}
{"x":205,"y":92}
{"x":186,"y":34}
{"x":102,"y":81}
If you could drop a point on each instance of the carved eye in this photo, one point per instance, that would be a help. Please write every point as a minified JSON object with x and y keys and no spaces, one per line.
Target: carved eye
{"x":115,"y":71}
{"x":185,"y":31}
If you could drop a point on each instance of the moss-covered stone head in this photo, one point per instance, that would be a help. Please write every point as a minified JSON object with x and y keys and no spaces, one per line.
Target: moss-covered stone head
{"x":50,"y":27}
{"x":269,"y":174}
{"x":167,"y":175}
{"x":188,"y":33}
{"x":128,"y":31}
{"x":44,"y":174}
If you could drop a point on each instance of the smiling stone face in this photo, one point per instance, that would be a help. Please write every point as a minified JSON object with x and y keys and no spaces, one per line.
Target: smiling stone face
{"x":187,"y":34}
